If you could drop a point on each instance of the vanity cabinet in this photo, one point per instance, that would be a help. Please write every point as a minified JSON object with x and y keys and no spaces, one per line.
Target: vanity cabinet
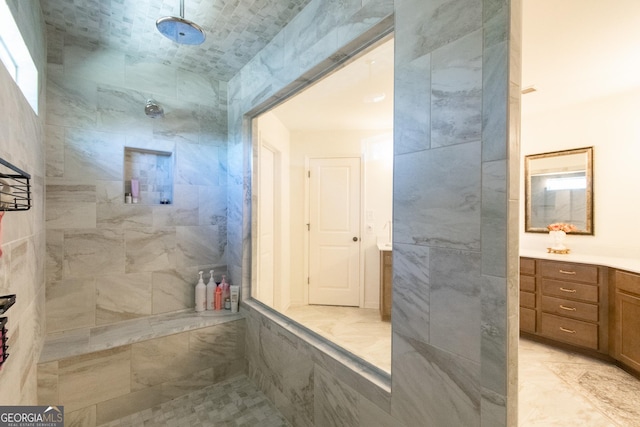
{"x":528,"y":295}
{"x":386,"y":277}
{"x":565,"y":302}
{"x":626,"y":318}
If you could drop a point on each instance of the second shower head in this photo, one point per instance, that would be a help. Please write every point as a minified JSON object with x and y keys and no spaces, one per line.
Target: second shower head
{"x":153,"y":109}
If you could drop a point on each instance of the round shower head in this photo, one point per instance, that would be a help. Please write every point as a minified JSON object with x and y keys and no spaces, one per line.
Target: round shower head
{"x":180,"y":30}
{"x":153,"y":109}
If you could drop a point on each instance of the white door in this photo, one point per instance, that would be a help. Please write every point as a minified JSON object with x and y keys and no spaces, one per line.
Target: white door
{"x":266,"y":225}
{"x":334,"y":231}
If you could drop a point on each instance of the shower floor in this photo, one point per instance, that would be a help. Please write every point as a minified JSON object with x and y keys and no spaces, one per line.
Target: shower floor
{"x":231,"y":403}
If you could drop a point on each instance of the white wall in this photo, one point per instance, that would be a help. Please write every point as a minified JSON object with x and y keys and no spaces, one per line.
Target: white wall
{"x":612,"y":127}
{"x":376,"y":150}
{"x":275,"y":134}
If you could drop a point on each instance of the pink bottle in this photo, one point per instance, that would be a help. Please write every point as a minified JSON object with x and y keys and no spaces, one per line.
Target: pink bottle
{"x":218,"y":298}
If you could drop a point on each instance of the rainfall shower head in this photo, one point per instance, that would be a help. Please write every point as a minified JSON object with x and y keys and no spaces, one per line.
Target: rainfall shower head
{"x":180,"y":30}
{"x":153,"y":109}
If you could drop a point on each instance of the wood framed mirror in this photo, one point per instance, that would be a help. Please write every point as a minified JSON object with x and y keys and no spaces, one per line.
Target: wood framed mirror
{"x":559,"y":188}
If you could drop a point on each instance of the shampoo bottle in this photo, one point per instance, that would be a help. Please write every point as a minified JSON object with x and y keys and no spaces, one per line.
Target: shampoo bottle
{"x":225,"y":288}
{"x":211,"y":290}
{"x":218,"y":297}
{"x":201,"y":299}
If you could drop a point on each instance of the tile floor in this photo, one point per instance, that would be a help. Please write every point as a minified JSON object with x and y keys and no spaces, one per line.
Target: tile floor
{"x":556,"y":388}
{"x":236,"y":402}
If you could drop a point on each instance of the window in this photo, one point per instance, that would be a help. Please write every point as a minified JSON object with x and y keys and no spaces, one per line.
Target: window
{"x":16,"y":58}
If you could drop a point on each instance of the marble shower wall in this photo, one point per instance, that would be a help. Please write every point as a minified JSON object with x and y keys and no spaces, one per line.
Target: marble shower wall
{"x":455,"y":214}
{"x":108,"y":261}
{"x":23,"y":233}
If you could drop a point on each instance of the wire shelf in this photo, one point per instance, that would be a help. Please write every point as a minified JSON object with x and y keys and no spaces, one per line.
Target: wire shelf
{"x":15,"y":188}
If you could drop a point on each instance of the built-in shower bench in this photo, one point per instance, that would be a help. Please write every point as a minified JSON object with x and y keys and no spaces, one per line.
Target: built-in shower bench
{"x":105,"y":372}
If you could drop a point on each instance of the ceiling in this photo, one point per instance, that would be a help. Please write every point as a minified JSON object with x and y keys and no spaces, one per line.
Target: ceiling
{"x":349,"y":99}
{"x":236,"y":29}
{"x":573,"y":50}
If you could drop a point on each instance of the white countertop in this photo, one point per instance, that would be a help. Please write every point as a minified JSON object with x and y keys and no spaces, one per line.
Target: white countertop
{"x":629,"y":264}
{"x":385,"y":246}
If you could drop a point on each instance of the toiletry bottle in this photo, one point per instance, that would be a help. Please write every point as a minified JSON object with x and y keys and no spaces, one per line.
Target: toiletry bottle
{"x":218,"y":297}
{"x":201,"y":298}
{"x":211,"y":290}
{"x":225,"y":287}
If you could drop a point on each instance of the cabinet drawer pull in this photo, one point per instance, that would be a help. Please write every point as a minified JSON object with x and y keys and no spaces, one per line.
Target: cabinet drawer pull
{"x":570,"y":331}
{"x":571,"y":291}
{"x":567,"y":308}
{"x":571,"y":273}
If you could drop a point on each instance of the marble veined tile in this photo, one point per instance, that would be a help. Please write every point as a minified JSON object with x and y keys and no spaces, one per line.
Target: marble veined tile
{"x":455,"y":304}
{"x":70,"y":304}
{"x":112,"y":212}
{"x":195,"y":87}
{"x":411,"y":289}
{"x":150,"y":249}
{"x":119,"y":334}
{"x":92,"y":378}
{"x":93,"y":155}
{"x":445,"y":393}
{"x":212,"y":205}
{"x":335,"y":403}
{"x":122,"y":110}
{"x":200,"y":245}
{"x":163,"y":359}
{"x":70,"y":102}
{"x":438,"y":22}
{"x":412,"y":105}
{"x":122,"y":296}
{"x":54,"y":255}
{"x":99,"y":65}
{"x":90,"y":252}
{"x":197,"y":164}
{"x":446,"y":212}
{"x":54,"y":145}
{"x":456,"y":91}
{"x":183,"y":211}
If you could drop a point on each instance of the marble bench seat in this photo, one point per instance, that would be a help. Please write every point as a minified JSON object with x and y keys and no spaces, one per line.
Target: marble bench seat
{"x":88,"y":340}
{"x":103,"y":373}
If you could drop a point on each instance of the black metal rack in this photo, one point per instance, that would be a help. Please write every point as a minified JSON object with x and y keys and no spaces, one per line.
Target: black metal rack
{"x":15,"y":188}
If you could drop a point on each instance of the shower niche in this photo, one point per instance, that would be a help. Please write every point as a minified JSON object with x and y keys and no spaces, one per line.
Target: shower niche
{"x":148,"y":176}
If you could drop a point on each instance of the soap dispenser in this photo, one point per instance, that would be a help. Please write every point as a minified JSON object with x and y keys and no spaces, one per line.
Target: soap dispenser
{"x":201,"y":298}
{"x":211,"y":289}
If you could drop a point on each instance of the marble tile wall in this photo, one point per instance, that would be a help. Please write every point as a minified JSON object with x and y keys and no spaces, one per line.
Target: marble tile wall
{"x":455,"y":214}
{"x":101,"y":386}
{"x":108,"y":261}
{"x":23,"y":233}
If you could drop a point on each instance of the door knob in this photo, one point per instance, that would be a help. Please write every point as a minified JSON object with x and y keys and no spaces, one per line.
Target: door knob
{"x":355,"y":239}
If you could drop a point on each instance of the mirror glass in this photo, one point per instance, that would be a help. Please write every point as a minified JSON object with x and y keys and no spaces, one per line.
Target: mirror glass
{"x":322,"y":197}
{"x":559,"y":188}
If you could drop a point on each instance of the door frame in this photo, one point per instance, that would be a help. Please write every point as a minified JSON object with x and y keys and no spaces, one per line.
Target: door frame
{"x":307,"y":242}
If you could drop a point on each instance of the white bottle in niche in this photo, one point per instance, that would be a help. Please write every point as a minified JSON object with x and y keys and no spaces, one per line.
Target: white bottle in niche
{"x":211,"y":291}
{"x":201,"y":299}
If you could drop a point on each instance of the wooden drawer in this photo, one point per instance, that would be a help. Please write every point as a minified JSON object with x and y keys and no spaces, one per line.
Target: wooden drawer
{"x":571,"y":331}
{"x":569,"y":271}
{"x":626,"y":282}
{"x":567,"y":308}
{"x":527,"y":266}
{"x":527,"y":283}
{"x":574,"y":291}
{"x":527,"y":299}
{"x":527,"y":320}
